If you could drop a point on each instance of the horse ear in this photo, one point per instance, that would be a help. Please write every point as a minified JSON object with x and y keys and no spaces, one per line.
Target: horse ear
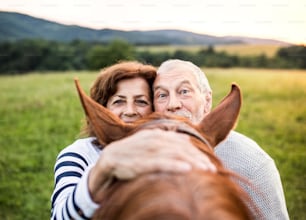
{"x":106,"y":126}
{"x":221,"y":120}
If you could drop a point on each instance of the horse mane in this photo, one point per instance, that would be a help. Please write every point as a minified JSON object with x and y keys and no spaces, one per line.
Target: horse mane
{"x":193,"y":195}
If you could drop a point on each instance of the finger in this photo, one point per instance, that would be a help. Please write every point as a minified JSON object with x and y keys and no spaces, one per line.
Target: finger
{"x":169,"y":144}
{"x":181,"y":148}
{"x":202,"y":160}
{"x":168,"y":165}
{"x":153,"y":165}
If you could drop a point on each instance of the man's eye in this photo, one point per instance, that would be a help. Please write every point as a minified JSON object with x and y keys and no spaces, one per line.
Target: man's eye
{"x":184,"y":91}
{"x":162,"y":95}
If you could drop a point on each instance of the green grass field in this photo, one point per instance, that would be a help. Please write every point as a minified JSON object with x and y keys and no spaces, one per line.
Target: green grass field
{"x":41,"y":114}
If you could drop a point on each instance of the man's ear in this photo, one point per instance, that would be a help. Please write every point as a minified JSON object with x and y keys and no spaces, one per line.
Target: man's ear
{"x":107,"y":126}
{"x":208,"y":102}
{"x":221,"y":120}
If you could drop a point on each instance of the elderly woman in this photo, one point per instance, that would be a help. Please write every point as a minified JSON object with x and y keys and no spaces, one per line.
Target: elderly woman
{"x":82,"y":169}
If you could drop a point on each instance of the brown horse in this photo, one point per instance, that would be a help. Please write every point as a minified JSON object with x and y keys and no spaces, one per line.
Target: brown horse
{"x":195,"y":195}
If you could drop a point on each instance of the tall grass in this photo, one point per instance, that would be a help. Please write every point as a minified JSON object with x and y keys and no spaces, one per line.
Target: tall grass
{"x":249,"y":49}
{"x":232,"y":49}
{"x":41,"y":114}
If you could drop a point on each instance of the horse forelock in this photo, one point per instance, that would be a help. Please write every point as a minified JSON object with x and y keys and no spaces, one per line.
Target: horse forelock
{"x":180,"y":125}
{"x":174,"y":124}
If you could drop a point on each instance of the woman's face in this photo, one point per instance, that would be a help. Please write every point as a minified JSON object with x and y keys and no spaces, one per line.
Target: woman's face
{"x":132,"y":100}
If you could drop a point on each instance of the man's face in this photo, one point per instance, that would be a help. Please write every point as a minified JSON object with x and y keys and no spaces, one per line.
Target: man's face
{"x":177,"y":92}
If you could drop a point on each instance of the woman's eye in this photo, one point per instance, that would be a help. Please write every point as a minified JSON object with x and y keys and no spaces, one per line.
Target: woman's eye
{"x":117,"y":102}
{"x":142,"y":102}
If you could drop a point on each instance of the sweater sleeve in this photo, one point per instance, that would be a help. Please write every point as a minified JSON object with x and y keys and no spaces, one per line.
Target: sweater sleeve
{"x":245,"y":157}
{"x":71,"y":198}
{"x":269,"y":196}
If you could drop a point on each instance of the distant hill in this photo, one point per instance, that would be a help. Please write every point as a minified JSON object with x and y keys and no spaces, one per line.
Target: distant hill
{"x":16,"y":26}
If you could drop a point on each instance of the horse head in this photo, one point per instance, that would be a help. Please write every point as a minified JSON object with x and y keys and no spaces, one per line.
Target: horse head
{"x":195,"y":195}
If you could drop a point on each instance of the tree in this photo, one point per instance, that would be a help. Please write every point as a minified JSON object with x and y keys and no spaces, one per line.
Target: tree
{"x":295,"y":55}
{"x":100,"y":56}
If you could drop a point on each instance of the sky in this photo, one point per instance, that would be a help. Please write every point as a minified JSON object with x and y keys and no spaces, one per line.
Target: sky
{"x":283,"y":20}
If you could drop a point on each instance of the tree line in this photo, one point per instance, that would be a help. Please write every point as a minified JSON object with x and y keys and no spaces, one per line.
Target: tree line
{"x":41,"y":55}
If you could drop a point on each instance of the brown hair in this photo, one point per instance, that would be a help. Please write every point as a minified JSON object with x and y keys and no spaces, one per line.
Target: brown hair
{"x":106,"y":82}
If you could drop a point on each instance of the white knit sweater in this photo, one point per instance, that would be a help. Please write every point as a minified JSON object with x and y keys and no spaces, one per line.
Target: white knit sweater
{"x":243,"y":156}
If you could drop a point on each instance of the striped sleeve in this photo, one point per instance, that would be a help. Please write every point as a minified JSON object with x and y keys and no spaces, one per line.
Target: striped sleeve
{"x":70,"y":198}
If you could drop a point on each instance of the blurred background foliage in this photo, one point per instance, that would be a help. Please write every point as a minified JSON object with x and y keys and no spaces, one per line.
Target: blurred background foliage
{"x":42,"y":55}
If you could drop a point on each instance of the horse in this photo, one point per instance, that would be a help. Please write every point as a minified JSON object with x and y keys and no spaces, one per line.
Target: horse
{"x":193,"y":195}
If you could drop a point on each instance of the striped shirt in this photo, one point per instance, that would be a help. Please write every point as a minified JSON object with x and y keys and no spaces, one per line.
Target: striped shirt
{"x":71,"y":198}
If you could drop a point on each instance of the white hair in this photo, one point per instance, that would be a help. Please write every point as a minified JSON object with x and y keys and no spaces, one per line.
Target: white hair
{"x":198,"y":73}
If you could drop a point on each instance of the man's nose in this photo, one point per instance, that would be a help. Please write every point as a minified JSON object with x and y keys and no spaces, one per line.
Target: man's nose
{"x":174,"y":103}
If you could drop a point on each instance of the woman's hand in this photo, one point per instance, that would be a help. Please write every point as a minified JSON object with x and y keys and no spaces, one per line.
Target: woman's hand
{"x":144,"y":152}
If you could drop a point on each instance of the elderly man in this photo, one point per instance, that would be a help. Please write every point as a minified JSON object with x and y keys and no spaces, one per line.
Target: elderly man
{"x":181,"y":88}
